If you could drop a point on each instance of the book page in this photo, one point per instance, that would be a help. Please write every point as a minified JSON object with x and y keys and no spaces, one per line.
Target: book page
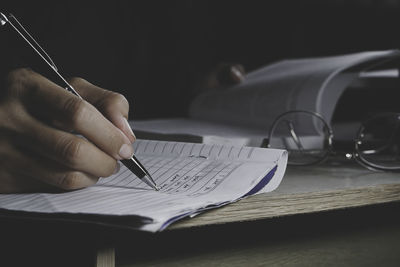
{"x":300,"y":84}
{"x":243,"y":114}
{"x":192,"y":177}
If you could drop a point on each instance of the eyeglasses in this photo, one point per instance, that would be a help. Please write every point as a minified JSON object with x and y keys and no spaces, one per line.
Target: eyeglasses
{"x":308,"y":138}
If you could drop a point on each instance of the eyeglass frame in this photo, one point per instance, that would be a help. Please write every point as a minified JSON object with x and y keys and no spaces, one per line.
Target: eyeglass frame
{"x":355,"y":154}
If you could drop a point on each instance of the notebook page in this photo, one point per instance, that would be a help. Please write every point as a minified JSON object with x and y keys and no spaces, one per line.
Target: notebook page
{"x":191,"y":177}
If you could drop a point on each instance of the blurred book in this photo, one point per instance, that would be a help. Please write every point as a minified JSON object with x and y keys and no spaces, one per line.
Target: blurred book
{"x":242,"y":114}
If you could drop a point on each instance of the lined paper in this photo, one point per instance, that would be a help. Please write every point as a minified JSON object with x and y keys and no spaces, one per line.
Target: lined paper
{"x":191,"y":176}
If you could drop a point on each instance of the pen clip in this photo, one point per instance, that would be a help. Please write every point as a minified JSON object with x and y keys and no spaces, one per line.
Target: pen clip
{"x":17,"y":26}
{"x":3,"y":19}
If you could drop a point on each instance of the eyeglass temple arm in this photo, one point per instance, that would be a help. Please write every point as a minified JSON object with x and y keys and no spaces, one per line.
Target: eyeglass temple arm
{"x":294,"y":135}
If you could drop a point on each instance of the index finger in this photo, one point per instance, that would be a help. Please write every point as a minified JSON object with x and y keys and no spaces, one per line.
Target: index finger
{"x":79,"y":115}
{"x":112,"y":105}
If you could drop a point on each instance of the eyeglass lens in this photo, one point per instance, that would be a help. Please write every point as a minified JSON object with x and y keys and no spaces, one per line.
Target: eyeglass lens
{"x":379,"y":141}
{"x":304,"y":135}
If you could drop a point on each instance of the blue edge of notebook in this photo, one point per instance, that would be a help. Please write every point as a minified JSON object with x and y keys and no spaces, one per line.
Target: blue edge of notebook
{"x":264,"y":181}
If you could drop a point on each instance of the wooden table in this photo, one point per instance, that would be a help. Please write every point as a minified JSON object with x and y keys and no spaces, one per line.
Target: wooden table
{"x":321,"y":215}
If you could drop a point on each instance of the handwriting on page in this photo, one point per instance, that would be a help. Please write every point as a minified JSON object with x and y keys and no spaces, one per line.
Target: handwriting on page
{"x":182,"y":168}
{"x":191,"y":176}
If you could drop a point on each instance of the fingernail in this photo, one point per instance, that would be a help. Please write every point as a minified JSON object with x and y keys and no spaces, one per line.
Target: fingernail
{"x":237,"y":73}
{"x":126,"y":151}
{"x":129,"y":128}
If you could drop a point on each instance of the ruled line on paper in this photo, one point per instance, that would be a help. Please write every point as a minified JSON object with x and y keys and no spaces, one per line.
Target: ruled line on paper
{"x":191,"y":176}
{"x":176,"y":175}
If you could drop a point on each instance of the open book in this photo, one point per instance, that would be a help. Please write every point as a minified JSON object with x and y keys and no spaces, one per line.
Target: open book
{"x":192,"y":178}
{"x":242,"y":114}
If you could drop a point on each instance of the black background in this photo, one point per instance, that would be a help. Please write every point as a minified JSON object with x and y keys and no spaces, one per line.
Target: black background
{"x":154,"y":52}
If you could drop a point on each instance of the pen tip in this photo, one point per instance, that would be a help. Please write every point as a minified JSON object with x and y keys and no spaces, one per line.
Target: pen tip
{"x":150,"y":182}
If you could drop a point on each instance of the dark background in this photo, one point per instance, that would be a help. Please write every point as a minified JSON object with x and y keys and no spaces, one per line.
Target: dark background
{"x":154,"y":52}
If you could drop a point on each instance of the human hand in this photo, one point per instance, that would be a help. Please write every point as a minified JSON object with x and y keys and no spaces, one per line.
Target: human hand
{"x":223,"y":75}
{"x":38,"y":152}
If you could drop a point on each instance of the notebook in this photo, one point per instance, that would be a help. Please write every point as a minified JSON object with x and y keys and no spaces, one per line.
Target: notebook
{"x":192,"y":177}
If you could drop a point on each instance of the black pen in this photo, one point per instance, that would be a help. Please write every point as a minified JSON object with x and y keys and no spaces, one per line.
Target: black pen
{"x":133,"y":164}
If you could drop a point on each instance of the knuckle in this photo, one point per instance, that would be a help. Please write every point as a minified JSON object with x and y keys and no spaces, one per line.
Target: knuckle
{"x":70,"y":180}
{"x":14,"y":120}
{"x":18,"y":79}
{"x":113,"y":99}
{"x":70,"y":150}
{"x":19,"y":75}
{"x":76,"y":81}
{"x":76,"y":109}
{"x":109,"y":168}
{"x":241,"y":68}
{"x":119,"y":99}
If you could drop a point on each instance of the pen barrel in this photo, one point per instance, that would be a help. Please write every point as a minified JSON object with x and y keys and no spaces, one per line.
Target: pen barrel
{"x":135,"y":168}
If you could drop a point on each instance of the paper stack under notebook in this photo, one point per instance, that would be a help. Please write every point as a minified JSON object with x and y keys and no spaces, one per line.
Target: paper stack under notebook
{"x":192,"y":178}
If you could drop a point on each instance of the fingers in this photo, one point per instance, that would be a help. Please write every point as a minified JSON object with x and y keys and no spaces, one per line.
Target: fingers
{"x":36,"y":156}
{"x":11,"y":182}
{"x":79,"y":115}
{"x":112,"y":105}
{"x":237,"y":73}
{"x":39,"y":173}
{"x":223,"y":75}
{"x":68,"y":150}
{"x":228,"y":74}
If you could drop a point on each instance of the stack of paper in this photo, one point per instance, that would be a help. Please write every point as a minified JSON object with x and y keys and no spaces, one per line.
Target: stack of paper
{"x":192,"y":177}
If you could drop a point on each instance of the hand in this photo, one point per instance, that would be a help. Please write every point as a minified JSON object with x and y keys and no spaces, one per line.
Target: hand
{"x":223,"y":75}
{"x":39,"y":152}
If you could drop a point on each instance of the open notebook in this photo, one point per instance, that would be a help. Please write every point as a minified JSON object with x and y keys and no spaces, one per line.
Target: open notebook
{"x":192,"y":177}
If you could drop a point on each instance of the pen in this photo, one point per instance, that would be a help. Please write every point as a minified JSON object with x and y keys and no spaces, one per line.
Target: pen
{"x":133,"y":164}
